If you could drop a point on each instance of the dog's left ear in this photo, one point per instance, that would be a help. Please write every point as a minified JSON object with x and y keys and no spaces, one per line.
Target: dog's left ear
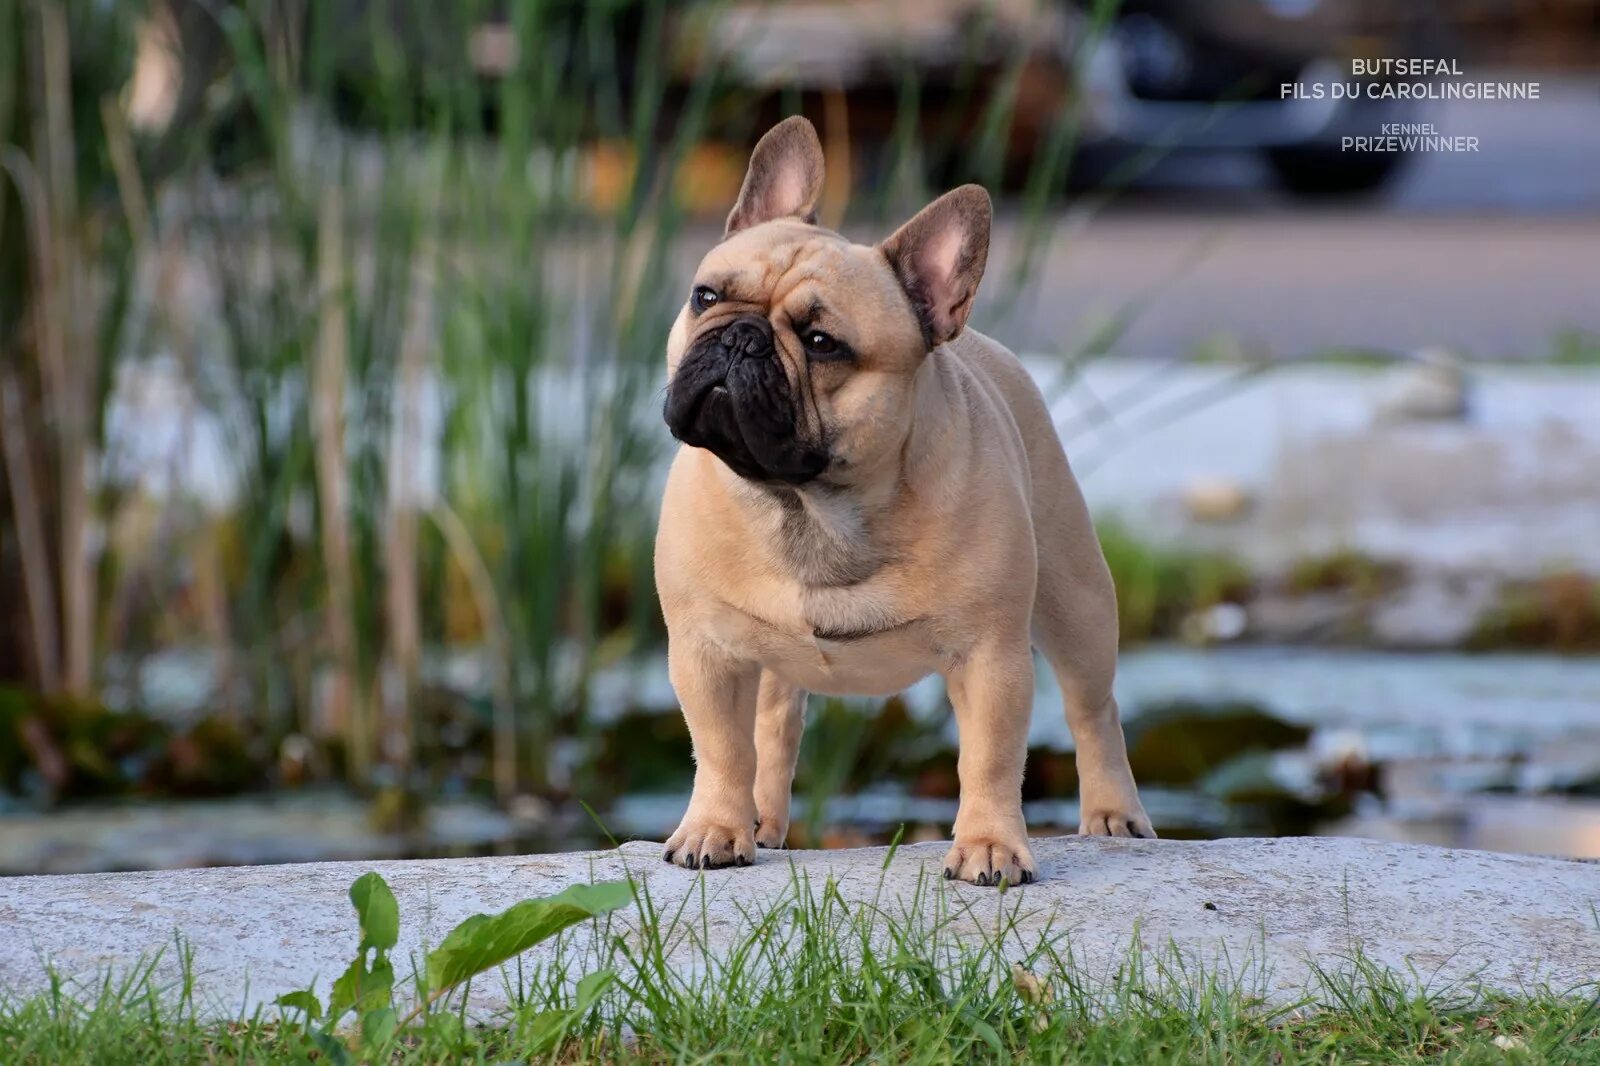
{"x":784,"y":179}
{"x":939,"y":257}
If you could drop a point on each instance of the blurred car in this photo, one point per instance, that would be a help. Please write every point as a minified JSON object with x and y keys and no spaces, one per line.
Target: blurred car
{"x":1210,"y":76}
{"x":976,"y":89}
{"x":1170,"y":75}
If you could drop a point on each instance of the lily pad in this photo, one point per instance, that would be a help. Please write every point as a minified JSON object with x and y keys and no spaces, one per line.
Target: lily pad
{"x":1180,"y":742}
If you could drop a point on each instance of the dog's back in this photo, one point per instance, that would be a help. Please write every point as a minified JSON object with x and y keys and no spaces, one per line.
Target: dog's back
{"x":1069,"y":552}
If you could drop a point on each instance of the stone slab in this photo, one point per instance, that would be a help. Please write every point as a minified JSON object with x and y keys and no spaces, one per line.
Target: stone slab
{"x":1262,"y":910}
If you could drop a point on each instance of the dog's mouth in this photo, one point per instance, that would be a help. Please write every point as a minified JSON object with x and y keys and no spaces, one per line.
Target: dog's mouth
{"x":736,"y":403}
{"x":717,"y":393}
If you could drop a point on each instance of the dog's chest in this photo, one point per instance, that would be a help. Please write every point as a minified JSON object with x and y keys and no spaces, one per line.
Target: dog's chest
{"x":831,"y":644}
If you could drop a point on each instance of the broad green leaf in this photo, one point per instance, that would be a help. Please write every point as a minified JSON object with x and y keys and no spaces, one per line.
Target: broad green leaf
{"x":304,"y":1000}
{"x":362,"y":989}
{"x":378,"y":988}
{"x":378,"y":911}
{"x":485,"y":941}
{"x":332,"y":1048}
{"x":592,"y":987}
{"x":377,"y":1027}
{"x":347,"y":987}
{"x":545,"y":1029}
{"x":985,"y":1032}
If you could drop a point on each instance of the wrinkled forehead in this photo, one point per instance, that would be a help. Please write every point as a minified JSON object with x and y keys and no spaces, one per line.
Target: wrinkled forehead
{"x":779,"y":262}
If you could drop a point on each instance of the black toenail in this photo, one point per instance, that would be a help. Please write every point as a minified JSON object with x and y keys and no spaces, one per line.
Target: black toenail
{"x":666,"y":856}
{"x":949,"y":874}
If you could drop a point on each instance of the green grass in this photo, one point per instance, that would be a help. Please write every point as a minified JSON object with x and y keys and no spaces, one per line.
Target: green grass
{"x":814,"y":979}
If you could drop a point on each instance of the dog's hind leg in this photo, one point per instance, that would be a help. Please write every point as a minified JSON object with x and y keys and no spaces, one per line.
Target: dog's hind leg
{"x":780,"y":720}
{"x":1075,"y":626}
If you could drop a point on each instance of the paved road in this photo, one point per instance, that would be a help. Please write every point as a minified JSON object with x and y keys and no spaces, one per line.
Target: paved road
{"x":1492,"y":253}
{"x":1289,"y":283}
{"x":1534,"y":157}
{"x":1292,"y":284}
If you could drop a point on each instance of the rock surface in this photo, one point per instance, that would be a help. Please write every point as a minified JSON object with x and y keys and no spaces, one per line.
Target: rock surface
{"x":1263,"y":910}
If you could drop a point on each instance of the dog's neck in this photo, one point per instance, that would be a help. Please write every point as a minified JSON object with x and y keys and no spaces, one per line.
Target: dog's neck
{"x":822,"y":535}
{"x":828,"y":534}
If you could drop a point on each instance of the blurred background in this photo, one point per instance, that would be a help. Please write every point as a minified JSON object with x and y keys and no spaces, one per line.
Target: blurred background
{"x":331,"y":357}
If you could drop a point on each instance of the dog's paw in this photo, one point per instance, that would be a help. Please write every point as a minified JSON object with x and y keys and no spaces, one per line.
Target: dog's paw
{"x":772,"y":832}
{"x":986,"y":862}
{"x":709,"y":843}
{"x":1115,"y":820}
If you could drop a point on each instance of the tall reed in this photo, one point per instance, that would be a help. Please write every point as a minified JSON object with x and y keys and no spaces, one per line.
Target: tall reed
{"x":464,"y":287}
{"x":426,"y":310}
{"x":65,"y":283}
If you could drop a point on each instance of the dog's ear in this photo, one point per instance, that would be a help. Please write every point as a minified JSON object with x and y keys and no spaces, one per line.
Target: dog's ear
{"x":939,"y":257}
{"x":784,"y":179}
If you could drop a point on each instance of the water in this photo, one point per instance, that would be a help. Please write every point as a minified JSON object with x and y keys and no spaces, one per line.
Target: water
{"x":1488,"y":751}
{"x":1400,"y":704}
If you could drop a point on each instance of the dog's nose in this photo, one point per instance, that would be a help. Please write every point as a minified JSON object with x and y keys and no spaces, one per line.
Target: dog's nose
{"x":747,"y":335}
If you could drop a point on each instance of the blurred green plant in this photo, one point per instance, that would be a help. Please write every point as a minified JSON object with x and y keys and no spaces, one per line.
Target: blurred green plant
{"x":1559,"y":611}
{"x":67,"y":245}
{"x":1158,"y":587}
{"x":851,"y":746}
{"x":1575,"y":347}
{"x":1343,"y":570}
{"x":420,"y":303}
{"x":58,"y":748}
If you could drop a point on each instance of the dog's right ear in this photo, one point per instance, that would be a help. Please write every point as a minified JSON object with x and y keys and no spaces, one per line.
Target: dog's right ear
{"x":784,"y":179}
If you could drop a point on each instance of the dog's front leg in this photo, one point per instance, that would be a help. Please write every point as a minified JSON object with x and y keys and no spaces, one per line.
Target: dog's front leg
{"x":718,"y":695}
{"x":992,"y":690}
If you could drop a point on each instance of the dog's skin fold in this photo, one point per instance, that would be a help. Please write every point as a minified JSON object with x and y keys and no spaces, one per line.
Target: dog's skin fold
{"x":870,"y":492}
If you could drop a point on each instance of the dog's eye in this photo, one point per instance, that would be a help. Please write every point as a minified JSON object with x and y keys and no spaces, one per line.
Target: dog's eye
{"x":819,"y":343}
{"x":703,"y":298}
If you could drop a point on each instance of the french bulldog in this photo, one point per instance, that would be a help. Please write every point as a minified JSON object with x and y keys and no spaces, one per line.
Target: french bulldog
{"x":868,"y":492}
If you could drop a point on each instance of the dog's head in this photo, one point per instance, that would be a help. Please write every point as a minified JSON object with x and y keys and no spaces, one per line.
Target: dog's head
{"x":795,"y":355}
